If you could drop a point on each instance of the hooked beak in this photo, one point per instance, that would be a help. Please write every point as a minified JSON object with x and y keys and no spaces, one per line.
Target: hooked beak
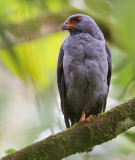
{"x":66,"y":25}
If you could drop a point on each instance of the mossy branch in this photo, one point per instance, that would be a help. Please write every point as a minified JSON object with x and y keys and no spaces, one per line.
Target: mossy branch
{"x":81,"y":137}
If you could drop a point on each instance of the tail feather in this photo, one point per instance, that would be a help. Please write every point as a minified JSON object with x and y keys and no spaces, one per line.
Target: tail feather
{"x":67,"y":122}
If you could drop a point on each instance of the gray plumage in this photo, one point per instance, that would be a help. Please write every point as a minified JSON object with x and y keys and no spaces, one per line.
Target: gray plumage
{"x":83,"y":70}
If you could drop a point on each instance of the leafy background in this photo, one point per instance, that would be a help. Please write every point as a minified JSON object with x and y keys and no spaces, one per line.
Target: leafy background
{"x":30,"y":38}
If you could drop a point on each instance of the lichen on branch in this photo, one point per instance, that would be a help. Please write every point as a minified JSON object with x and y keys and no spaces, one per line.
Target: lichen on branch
{"x":80,"y":137}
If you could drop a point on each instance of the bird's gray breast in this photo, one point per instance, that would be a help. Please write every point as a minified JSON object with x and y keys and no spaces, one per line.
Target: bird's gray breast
{"x":85,"y":70}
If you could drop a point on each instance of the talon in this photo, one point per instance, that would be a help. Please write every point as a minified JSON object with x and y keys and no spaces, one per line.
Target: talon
{"x":91,"y":117}
{"x":88,"y":120}
{"x":81,"y":120}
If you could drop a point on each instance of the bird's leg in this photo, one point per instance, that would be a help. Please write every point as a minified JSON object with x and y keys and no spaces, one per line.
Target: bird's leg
{"x":82,"y":117}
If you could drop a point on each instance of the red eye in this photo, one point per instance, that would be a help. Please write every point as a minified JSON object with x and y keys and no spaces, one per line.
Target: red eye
{"x":77,"y":19}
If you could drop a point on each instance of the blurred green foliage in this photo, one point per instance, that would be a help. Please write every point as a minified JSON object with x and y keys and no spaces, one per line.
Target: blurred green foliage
{"x":30,"y":39}
{"x":9,"y":151}
{"x":37,"y":59}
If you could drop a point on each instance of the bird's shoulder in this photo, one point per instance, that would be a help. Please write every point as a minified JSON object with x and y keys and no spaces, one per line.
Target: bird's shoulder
{"x":77,"y":39}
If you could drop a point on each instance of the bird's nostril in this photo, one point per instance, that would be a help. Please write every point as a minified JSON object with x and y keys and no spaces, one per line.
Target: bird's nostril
{"x":66,"y":22}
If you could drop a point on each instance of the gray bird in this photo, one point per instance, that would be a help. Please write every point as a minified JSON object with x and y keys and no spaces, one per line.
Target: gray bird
{"x":83,"y":70}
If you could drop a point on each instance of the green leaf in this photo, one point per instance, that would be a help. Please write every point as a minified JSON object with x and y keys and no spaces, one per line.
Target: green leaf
{"x":11,"y":150}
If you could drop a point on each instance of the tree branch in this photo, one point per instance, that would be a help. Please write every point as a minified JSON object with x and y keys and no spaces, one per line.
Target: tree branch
{"x":81,"y":137}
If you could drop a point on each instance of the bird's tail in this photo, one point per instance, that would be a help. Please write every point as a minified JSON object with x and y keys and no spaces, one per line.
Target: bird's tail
{"x":67,"y":122}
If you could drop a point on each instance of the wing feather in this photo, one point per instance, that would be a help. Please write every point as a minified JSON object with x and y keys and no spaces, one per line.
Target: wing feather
{"x":61,"y":85}
{"x":109,"y":64}
{"x":109,"y":73}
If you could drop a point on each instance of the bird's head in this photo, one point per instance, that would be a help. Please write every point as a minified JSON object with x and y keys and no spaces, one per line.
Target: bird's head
{"x":79,"y":23}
